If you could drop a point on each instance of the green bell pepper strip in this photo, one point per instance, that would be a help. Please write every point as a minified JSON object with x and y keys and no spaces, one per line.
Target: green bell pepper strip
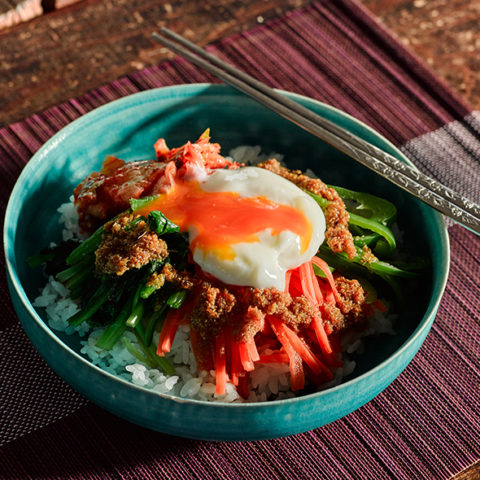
{"x":368,"y":206}
{"x":341,"y":262}
{"x":368,"y":239}
{"x":370,"y":224}
{"x":376,"y":227}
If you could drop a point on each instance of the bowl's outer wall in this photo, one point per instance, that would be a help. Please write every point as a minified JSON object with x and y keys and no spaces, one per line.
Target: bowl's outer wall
{"x":128,"y":128}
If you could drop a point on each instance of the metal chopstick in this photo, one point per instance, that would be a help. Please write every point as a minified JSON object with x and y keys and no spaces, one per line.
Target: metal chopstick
{"x":421,"y":186}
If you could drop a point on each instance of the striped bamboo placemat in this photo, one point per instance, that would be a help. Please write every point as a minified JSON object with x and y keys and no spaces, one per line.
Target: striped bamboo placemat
{"x":425,"y":425}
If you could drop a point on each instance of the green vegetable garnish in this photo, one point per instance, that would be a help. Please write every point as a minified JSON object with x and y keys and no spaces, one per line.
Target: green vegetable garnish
{"x":176,"y":299}
{"x":368,"y":206}
{"x":340,"y":261}
{"x":138,"y":203}
{"x":96,"y":301}
{"x":160,"y":224}
{"x":86,"y":247}
{"x":39,"y":259}
{"x":381,"y":213}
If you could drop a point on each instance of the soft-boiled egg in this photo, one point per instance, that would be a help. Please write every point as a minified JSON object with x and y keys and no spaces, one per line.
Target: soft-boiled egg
{"x":246,"y":226}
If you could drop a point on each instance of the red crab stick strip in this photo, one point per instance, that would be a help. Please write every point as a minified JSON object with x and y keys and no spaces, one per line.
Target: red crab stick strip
{"x":315,"y":285}
{"x":330,"y":296}
{"x":236,"y":364}
{"x":304,"y":351}
{"x":245,"y":357}
{"x":288,"y":276}
{"x":220,"y":364}
{"x":297,"y":375}
{"x":321,"y":335}
{"x":274,"y":357}
{"x":252,"y":350}
{"x":306,"y":283}
{"x":311,"y":290}
{"x":323,"y":266}
{"x":169,"y":329}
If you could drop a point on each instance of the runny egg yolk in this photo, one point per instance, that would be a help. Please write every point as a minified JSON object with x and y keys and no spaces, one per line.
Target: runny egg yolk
{"x":222,"y":219}
{"x":246,"y":226}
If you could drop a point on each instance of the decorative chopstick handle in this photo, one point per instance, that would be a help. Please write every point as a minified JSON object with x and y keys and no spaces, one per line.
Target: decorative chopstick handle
{"x":413,"y":181}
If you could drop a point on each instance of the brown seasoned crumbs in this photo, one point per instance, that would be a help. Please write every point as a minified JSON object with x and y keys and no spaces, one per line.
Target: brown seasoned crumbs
{"x":350,"y":309}
{"x":338,"y":235}
{"x":126,"y":244}
{"x":352,"y":297}
{"x":211,"y":310}
{"x":202,"y":349}
{"x":300,"y":313}
{"x":248,"y":325}
{"x":270,"y":300}
{"x":156,"y":280}
{"x":253,"y":304}
{"x":247,"y":307}
{"x":368,"y":256}
{"x":180,"y":279}
{"x":333,"y":317}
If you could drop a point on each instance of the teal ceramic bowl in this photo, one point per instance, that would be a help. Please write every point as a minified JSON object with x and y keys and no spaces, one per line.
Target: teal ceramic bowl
{"x":128,"y":128}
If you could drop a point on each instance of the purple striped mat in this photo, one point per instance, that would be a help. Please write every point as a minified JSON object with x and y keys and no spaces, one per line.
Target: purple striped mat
{"x":426,"y":425}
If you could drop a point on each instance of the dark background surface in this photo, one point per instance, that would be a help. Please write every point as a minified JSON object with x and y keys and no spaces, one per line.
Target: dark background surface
{"x":67,"y":52}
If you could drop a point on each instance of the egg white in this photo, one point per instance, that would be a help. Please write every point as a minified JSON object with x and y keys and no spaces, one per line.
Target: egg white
{"x":262,"y":264}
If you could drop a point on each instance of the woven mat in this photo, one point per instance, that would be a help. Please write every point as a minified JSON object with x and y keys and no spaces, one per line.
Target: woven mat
{"x":425,"y":425}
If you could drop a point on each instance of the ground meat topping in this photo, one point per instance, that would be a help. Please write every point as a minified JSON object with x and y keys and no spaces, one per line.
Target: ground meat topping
{"x":249,"y":325}
{"x":352,"y":297}
{"x":246,"y":308}
{"x":300,"y":313}
{"x":270,"y":300}
{"x":338,"y":235}
{"x":333,"y":317}
{"x":180,"y":279}
{"x":349,"y":308}
{"x":368,"y":256}
{"x":211,"y":310}
{"x":127,"y":243}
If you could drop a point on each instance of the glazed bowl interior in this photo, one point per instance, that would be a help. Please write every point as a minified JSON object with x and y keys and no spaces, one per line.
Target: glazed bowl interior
{"x":128,"y":129}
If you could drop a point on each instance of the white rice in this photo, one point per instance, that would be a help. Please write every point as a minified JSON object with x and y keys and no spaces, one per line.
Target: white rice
{"x":266,"y":382}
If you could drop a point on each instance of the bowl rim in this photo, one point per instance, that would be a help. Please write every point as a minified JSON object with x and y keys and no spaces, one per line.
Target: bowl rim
{"x":189,"y":91}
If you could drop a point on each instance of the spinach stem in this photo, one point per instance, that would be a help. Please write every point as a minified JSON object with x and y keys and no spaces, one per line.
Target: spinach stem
{"x":93,"y":305}
{"x":86,"y":247}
